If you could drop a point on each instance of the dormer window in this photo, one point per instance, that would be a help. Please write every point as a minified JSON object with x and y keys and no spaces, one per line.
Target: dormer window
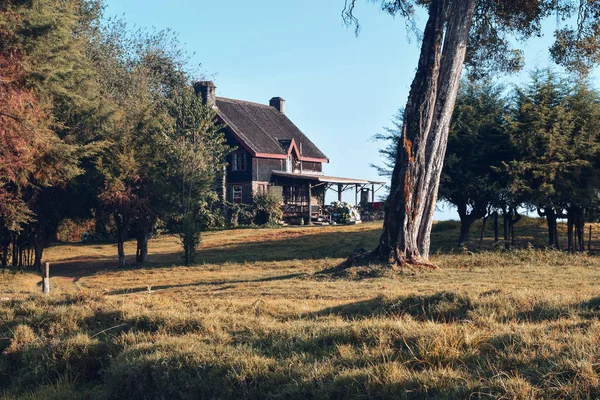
{"x":238,"y":161}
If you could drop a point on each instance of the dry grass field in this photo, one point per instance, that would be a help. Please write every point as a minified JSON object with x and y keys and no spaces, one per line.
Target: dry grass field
{"x":253,"y":321}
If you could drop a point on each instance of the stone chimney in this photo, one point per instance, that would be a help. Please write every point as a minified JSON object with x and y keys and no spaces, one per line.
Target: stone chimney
{"x":278,"y":103}
{"x":206,"y":89}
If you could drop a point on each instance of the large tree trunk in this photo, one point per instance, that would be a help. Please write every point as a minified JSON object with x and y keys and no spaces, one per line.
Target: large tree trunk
{"x":15,"y":250}
{"x":570,"y":232}
{"x":421,"y":150}
{"x":496,"y":235}
{"x":551,"y":221}
{"x":121,"y":227}
{"x":575,"y":228}
{"x":141,"y":254}
{"x":38,"y":249}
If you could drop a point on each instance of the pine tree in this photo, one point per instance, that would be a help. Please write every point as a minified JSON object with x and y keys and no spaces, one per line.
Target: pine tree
{"x":477,"y":146}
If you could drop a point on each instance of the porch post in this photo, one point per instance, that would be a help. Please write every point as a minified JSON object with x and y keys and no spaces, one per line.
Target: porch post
{"x":309,"y":203}
{"x":340,"y":192}
{"x":372,"y":193}
{"x":356,"y":194}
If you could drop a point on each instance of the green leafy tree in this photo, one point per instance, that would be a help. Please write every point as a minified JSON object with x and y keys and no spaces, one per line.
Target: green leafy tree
{"x":581,"y":183}
{"x":472,"y":180}
{"x":46,"y":38}
{"x":139,"y":72}
{"x":555,"y":129}
{"x":539,"y":129}
{"x":198,"y":151}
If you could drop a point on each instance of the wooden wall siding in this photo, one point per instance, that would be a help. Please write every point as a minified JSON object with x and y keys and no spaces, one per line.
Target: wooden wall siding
{"x":262,"y":168}
{"x":308,"y":167}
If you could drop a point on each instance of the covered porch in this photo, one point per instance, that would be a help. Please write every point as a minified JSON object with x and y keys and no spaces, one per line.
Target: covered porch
{"x":305,"y":195}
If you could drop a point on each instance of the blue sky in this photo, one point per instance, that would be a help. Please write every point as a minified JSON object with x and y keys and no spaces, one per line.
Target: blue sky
{"x":339,"y":89}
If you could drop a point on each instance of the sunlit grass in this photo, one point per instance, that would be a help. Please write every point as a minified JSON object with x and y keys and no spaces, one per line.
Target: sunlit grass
{"x":251,"y":320}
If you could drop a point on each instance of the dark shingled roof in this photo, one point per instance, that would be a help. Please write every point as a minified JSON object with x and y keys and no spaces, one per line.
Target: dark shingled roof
{"x":264,"y":130}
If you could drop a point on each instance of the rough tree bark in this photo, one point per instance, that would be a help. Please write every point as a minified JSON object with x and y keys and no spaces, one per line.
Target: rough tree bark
{"x":415,"y":180}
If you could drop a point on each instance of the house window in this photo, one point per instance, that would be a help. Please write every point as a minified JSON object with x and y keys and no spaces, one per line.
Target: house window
{"x":237,"y":193}
{"x":238,"y":161}
{"x":296,"y":195}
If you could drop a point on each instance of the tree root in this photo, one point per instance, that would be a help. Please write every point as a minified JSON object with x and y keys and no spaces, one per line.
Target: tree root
{"x":362,"y":258}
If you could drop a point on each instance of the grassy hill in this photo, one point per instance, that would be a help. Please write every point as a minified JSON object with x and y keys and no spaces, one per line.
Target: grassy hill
{"x":253,"y":321}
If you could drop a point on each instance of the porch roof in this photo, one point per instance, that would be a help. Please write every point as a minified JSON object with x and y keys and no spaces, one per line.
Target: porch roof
{"x":326,"y":179}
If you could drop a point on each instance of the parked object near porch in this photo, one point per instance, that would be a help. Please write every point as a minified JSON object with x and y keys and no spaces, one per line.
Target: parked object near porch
{"x":344,"y":213}
{"x":273,"y":156}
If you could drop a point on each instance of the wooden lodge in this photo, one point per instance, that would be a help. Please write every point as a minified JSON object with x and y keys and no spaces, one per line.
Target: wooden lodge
{"x":272,"y":154}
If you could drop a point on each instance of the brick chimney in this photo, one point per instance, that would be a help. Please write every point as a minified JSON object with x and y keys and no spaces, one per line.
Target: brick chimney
{"x":278,"y":103}
{"x":206,"y":89}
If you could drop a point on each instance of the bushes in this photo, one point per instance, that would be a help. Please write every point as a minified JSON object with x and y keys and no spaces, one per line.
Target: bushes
{"x":75,"y":231}
{"x":267,"y":209}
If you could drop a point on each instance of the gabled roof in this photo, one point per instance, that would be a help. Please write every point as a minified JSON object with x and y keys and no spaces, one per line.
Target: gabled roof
{"x":265,"y":132}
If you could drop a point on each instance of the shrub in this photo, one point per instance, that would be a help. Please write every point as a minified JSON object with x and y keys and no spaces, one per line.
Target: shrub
{"x":74,"y":231}
{"x":238,"y":214}
{"x":267,"y":208}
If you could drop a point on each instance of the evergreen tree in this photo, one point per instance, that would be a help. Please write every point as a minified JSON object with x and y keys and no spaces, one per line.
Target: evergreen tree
{"x":477,"y":146}
{"x":198,"y":156}
{"x":538,"y":128}
{"x":554,"y":127}
{"x":44,"y":52}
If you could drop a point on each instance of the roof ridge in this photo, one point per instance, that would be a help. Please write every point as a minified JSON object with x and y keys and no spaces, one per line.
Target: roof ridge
{"x":244,"y":101}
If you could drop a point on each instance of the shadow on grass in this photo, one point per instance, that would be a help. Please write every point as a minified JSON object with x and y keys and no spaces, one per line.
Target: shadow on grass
{"x":449,"y":307}
{"x":203,"y":283}
{"x":439,"y":307}
{"x":328,"y":244}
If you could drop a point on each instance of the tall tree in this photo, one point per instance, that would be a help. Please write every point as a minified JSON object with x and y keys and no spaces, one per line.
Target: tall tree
{"x":43,"y":41}
{"x":472,"y":179}
{"x":476,"y":31}
{"x":139,"y":72}
{"x":582,"y":180}
{"x":198,"y":151}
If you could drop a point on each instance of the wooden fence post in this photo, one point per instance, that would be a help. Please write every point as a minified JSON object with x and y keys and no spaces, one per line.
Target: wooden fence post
{"x":46,"y":278}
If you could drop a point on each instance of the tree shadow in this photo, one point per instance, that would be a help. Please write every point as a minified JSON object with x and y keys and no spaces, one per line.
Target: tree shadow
{"x":231,"y":284}
{"x":449,"y":307}
{"x":444,"y":307}
{"x":279,"y":247}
